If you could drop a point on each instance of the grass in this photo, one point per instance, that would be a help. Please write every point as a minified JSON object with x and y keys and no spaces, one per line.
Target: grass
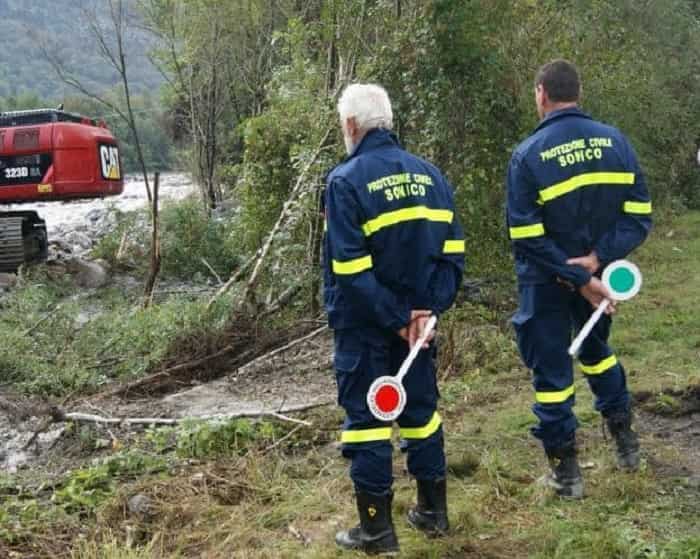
{"x":227,"y":491}
{"x":54,"y":342}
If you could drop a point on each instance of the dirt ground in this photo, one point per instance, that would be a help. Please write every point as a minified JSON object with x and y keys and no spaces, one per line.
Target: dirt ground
{"x":679,"y":429}
{"x":297,"y":378}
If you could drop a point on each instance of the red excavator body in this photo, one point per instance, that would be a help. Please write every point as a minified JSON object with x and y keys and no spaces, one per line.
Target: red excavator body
{"x":49,"y":155}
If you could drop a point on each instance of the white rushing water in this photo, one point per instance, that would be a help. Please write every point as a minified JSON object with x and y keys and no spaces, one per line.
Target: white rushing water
{"x":65,"y":216}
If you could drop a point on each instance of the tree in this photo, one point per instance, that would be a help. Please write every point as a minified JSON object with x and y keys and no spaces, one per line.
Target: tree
{"x":217,"y":57}
{"x":109,"y":23}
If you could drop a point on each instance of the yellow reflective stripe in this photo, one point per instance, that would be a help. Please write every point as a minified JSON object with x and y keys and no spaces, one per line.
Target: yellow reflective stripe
{"x":352,"y":266}
{"x":406,"y":214}
{"x":422,"y":432}
{"x":554,"y":397}
{"x":600,"y":367}
{"x":453,"y":247}
{"x":585,"y":179}
{"x":527,"y":231}
{"x":366,"y":435}
{"x":642,"y":208}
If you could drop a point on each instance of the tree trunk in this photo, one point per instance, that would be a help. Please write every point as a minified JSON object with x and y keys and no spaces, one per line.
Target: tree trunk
{"x":155,"y":247}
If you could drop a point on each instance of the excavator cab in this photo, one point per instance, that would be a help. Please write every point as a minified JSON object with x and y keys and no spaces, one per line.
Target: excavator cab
{"x":49,"y":155}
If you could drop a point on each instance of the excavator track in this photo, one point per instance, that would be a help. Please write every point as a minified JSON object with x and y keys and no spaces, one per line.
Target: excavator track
{"x":23,"y":240}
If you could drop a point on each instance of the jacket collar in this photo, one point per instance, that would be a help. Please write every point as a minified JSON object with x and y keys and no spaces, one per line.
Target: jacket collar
{"x":375,"y":138}
{"x":555,"y":115}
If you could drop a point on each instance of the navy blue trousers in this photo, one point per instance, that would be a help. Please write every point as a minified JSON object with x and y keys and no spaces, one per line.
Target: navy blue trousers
{"x":547,"y":316}
{"x":362,"y":355}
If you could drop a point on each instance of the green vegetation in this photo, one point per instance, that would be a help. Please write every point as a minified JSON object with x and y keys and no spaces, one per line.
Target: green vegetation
{"x":55,"y":344}
{"x":254,"y":488}
{"x":252,"y":90}
{"x":188,"y":240}
{"x":460,"y":77}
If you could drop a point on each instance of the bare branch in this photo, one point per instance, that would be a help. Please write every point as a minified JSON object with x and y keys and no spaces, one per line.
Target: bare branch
{"x":254,"y":277}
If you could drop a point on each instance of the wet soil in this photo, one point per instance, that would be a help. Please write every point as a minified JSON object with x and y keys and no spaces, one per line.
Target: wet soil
{"x":673,"y":419}
{"x":299,"y":377}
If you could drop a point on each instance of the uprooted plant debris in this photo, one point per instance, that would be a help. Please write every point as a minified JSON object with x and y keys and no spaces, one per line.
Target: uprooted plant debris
{"x":202,"y":357}
{"x":676,"y":403}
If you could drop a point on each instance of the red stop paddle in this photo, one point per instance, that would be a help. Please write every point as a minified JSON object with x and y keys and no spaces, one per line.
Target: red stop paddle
{"x":386,"y":397}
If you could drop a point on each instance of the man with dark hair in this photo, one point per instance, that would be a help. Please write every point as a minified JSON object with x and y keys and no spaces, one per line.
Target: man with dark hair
{"x":560,"y":80}
{"x":577,"y":200}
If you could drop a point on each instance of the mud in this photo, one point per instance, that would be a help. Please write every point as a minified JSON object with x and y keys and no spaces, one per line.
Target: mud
{"x":677,"y":427}
{"x":18,"y":423}
{"x":301,"y":376}
{"x":683,"y":434}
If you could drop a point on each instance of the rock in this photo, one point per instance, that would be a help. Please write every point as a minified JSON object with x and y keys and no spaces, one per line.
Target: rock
{"x":7,"y":281}
{"x":55,"y":268}
{"x":95,"y":214}
{"x":79,"y":239}
{"x":139,"y":504}
{"x":60,"y":245}
{"x":87,"y":274}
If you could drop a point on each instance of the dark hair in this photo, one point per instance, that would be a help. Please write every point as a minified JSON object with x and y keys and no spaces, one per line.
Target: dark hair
{"x":560,"y":80}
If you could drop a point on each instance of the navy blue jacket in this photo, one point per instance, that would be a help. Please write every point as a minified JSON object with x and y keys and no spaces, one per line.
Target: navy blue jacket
{"x":574,"y":186}
{"x":393,"y":242}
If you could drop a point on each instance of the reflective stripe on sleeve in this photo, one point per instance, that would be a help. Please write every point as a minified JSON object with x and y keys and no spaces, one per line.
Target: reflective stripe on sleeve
{"x":579,"y":181}
{"x":453,"y":247}
{"x":354,"y":266}
{"x":600,"y":367}
{"x":366,"y":435}
{"x":527,"y":231}
{"x":422,"y":432}
{"x":640,"y":208}
{"x":406,"y":214}
{"x":554,"y":397}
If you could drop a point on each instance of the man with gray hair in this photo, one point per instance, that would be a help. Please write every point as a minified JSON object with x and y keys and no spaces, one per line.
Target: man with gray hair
{"x":394,"y":256}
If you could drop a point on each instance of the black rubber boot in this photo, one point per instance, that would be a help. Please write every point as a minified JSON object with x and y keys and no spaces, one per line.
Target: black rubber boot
{"x":565,"y":476}
{"x":430,"y":513}
{"x":626,"y":441}
{"x":375,"y":533}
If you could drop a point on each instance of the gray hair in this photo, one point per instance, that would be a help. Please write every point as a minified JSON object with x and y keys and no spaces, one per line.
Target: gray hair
{"x":368,"y":103}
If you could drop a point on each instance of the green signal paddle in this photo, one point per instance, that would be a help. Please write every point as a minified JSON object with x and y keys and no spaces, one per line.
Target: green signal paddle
{"x":624,"y":280}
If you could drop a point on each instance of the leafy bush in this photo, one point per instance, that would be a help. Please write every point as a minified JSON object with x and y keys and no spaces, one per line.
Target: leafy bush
{"x":197,"y":439}
{"x":188,"y":238}
{"x":88,"y":488}
{"x":52,"y":344}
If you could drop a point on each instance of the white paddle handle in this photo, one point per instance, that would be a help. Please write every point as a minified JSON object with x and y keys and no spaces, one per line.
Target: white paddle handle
{"x":406,"y":365}
{"x":590,"y":323}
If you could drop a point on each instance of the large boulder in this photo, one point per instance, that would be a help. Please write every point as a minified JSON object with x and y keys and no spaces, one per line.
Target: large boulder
{"x":87,"y":274}
{"x":78,"y":240}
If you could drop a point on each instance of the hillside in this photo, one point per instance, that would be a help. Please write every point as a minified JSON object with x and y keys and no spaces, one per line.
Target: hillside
{"x":24,"y":25}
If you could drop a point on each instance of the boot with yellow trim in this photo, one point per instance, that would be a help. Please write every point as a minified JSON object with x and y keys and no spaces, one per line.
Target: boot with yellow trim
{"x":375,"y":533}
{"x":430,"y":513}
{"x":626,"y":440}
{"x":565,"y":475}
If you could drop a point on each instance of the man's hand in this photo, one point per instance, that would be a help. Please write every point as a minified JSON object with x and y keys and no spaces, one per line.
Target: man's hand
{"x":411,"y":333}
{"x":590,"y":262}
{"x":595,"y":292}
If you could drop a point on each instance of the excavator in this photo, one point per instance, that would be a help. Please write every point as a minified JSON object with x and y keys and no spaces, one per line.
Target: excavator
{"x":49,"y":155}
